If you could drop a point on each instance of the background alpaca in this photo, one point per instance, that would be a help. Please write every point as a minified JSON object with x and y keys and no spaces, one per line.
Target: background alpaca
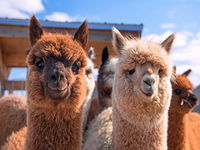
{"x":105,"y":79}
{"x":104,"y":85}
{"x":12,"y":115}
{"x":140,"y":98}
{"x":90,"y":85}
{"x":55,"y":89}
{"x":180,"y":124}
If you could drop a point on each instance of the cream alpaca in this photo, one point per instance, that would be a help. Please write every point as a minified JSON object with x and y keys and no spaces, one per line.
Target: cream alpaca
{"x":140,"y":98}
{"x":90,"y":85}
{"x":55,"y":90}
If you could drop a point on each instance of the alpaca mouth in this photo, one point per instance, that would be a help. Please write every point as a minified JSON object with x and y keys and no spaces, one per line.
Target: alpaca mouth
{"x":58,"y":93}
{"x":187,"y":103}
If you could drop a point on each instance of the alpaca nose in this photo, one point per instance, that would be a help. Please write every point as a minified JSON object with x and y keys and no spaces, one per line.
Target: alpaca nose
{"x":149,"y":81}
{"x":148,"y":84}
{"x":193,"y":97}
{"x":57,"y":76}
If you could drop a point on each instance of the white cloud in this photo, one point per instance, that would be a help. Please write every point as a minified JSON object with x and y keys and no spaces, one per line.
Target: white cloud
{"x":60,"y":16}
{"x":185,"y":53}
{"x":20,"y":8}
{"x":168,"y":26}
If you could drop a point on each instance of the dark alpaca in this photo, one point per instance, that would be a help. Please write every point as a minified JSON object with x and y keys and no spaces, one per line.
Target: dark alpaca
{"x":55,"y":89}
{"x":105,"y":79}
{"x":104,"y":85}
{"x":183,"y":102}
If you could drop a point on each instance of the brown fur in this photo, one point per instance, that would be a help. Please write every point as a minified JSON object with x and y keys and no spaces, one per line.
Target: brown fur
{"x":16,"y":140}
{"x":94,"y":111}
{"x":12,"y":115}
{"x":139,"y":120}
{"x":54,"y":118}
{"x":183,"y":124}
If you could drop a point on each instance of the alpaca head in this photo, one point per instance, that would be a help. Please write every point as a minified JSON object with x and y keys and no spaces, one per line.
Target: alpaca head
{"x":105,"y":78}
{"x":89,"y":72}
{"x":56,"y":68}
{"x":142,"y":79}
{"x":183,"y":99}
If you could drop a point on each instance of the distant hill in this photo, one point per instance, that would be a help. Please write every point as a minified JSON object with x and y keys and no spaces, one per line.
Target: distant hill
{"x":197,"y":92}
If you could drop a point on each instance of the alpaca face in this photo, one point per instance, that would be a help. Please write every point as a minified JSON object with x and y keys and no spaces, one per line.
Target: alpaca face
{"x":56,"y":69}
{"x":142,"y":79}
{"x":183,"y":99}
{"x":105,"y":78}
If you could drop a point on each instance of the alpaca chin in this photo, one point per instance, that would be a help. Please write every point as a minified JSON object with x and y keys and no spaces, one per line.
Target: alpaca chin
{"x":58,"y":95}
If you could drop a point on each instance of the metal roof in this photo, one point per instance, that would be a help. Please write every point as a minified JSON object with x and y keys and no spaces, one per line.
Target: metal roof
{"x":74,"y":25}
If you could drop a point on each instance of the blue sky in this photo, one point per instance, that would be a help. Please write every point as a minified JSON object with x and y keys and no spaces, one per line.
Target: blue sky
{"x":160,"y":18}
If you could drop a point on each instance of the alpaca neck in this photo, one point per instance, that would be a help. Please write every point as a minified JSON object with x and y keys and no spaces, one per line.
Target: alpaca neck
{"x":133,"y":136}
{"x":177,"y":131}
{"x":49,"y":129}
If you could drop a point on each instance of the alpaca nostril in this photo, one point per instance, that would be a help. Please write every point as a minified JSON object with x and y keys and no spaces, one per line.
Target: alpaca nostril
{"x":57,"y":77}
{"x":53,"y":77}
{"x":149,"y":81}
{"x":193,"y":98}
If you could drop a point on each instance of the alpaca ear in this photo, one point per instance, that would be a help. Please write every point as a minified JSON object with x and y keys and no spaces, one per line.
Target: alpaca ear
{"x":118,"y":40}
{"x":90,"y":53}
{"x":187,"y":73}
{"x":81,"y":34}
{"x":167,"y":43}
{"x":105,"y":55}
{"x":174,"y":69}
{"x":35,"y":30}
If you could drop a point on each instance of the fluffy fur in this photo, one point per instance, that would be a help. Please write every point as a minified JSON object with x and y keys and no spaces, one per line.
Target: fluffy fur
{"x":90,"y":85}
{"x":104,"y":85}
{"x":55,"y":89}
{"x":105,"y":79}
{"x":12,"y":115}
{"x":183,"y":124}
{"x":16,"y":140}
{"x":139,"y":119}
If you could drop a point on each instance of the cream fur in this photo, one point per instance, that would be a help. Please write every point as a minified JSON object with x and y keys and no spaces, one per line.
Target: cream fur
{"x":139,"y":121}
{"x":90,"y":85}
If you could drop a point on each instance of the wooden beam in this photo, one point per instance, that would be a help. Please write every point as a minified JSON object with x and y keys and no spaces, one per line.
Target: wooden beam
{"x":14,"y":85}
{"x":14,"y":60}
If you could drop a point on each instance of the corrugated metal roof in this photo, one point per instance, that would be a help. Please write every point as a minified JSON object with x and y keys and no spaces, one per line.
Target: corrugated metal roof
{"x":74,"y":25}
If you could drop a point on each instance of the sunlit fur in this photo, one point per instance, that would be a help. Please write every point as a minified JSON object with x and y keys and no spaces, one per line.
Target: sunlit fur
{"x":183,"y":124}
{"x":55,"y":122}
{"x":139,"y":121}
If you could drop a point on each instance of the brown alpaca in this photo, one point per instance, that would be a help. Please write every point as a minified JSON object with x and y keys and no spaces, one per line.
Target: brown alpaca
{"x":13,"y":107}
{"x":55,"y":89}
{"x":105,"y":79}
{"x":12,"y":115}
{"x":183,"y":101}
{"x":140,"y":98}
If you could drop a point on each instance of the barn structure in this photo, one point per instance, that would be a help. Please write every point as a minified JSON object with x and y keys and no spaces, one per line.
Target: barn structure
{"x":14,"y":41}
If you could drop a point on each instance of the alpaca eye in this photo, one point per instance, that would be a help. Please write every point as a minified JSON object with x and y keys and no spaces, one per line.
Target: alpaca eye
{"x":88,"y":71}
{"x":160,"y":72}
{"x":131,"y":71}
{"x":75,"y":68}
{"x":177,"y":91}
{"x":39,"y":62}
